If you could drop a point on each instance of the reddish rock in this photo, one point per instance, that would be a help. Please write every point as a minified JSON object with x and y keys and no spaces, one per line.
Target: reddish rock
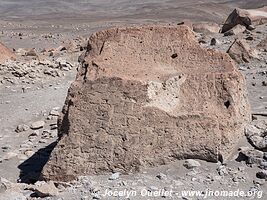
{"x":147,"y":96}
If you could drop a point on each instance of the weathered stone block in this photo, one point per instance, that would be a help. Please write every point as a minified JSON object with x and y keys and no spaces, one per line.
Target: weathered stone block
{"x":161,"y":97}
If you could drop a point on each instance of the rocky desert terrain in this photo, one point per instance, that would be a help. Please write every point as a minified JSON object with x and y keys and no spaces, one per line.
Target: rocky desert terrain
{"x":46,"y":62}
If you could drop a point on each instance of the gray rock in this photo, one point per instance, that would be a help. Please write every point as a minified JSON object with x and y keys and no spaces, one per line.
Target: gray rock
{"x":262,"y":174}
{"x":114,"y":176}
{"x":222,"y":170}
{"x":190,"y":164}
{"x":3,"y":187}
{"x":253,"y":156}
{"x":45,"y":189}
{"x":161,"y":176}
{"x":22,"y":128}
{"x":251,"y":130}
{"x":37,"y":125}
{"x":258,"y":141}
{"x":214,"y":42}
{"x":54,"y":113}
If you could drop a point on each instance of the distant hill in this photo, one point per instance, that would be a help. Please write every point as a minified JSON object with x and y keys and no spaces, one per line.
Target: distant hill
{"x":111,"y":10}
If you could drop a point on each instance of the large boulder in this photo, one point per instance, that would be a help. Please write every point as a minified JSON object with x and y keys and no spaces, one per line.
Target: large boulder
{"x":247,"y":18}
{"x":5,"y":53}
{"x":146,"y":96}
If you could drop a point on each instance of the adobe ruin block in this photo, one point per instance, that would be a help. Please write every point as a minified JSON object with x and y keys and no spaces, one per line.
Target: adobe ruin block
{"x":146,"y":96}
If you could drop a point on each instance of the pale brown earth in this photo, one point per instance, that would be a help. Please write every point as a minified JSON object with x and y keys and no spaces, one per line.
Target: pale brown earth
{"x":23,"y":100}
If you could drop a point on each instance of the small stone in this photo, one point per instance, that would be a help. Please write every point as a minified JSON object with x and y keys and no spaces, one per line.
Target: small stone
{"x":161,"y":176}
{"x":43,"y":141}
{"x":53,"y":126}
{"x":264,"y":83}
{"x":3,"y":187}
{"x":114,"y":176}
{"x":251,"y":27}
{"x":54,"y":113}
{"x":259,"y":182}
{"x":241,"y":169}
{"x":37,"y":125}
{"x":214,"y":42}
{"x":53,"y":134}
{"x":222,"y":170}
{"x":6,"y":147}
{"x":262,"y":174}
{"x":250,"y":38}
{"x":29,"y":153}
{"x":34,"y":134}
{"x":45,"y":189}
{"x":22,"y":128}
{"x":258,"y":141}
{"x":253,"y":156}
{"x":251,"y":130}
{"x":190,"y":164}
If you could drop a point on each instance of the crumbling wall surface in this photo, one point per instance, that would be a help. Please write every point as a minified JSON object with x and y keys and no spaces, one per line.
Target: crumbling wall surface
{"x":146,"y":96}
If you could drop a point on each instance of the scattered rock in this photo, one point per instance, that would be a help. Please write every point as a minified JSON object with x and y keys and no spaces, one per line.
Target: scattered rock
{"x":214,"y":42}
{"x":22,"y":128}
{"x":262,"y":174}
{"x":249,"y":38}
{"x":222,"y":170}
{"x":45,"y":189}
{"x":190,"y":164}
{"x":161,"y":176}
{"x":259,"y":142}
{"x":31,"y":52}
{"x":253,"y":156}
{"x":3,"y":187}
{"x":37,"y":125}
{"x":114,"y":176}
{"x":54,"y":113}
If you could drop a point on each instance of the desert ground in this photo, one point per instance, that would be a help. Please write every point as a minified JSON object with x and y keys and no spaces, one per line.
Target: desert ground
{"x":48,"y":38}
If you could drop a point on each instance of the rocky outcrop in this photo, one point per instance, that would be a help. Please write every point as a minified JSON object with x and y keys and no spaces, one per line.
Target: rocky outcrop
{"x":146,"y":96}
{"x":5,"y":53}
{"x":247,"y":18}
{"x":241,"y":52}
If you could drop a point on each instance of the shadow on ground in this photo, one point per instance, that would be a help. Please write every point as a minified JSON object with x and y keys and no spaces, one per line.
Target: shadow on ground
{"x":30,"y":170}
